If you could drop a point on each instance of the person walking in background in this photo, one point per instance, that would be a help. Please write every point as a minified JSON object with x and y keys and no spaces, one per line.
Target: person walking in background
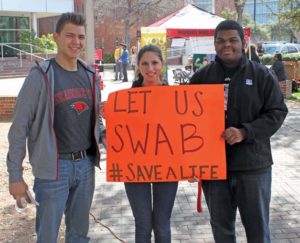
{"x":251,"y":53}
{"x":259,"y":49}
{"x":124,"y":59}
{"x":254,"y":111}
{"x":278,"y":67}
{"x":118,"y":63}
{"x":57,"y":113}
{"x":150,"y":214}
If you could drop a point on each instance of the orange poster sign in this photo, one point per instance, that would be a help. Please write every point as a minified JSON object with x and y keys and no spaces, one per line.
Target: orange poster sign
{"x":166,"y":133}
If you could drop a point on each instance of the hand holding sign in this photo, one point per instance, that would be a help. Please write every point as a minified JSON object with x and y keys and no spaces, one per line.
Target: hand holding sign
{"x":234,"y":135}
{"x":101,"y":108}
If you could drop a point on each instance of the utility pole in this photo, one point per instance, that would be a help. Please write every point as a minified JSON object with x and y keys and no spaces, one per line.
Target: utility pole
{"x":254,"y":15}
{"x":90,"y":31}
{"x":254,"y":11}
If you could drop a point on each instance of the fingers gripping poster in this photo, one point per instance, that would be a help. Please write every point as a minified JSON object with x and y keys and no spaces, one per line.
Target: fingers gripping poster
{"x":166,"y":133}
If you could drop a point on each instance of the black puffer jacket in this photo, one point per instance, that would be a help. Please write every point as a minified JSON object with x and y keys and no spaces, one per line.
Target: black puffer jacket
{"x":256,"y":104}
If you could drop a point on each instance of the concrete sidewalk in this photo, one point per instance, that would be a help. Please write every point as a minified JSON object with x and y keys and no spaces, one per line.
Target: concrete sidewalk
{"x":111,"y":205}
{"x":12,"y":86}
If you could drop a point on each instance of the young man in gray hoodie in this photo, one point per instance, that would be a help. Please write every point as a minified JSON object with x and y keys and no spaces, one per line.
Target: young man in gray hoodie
{"x":57,"y":115}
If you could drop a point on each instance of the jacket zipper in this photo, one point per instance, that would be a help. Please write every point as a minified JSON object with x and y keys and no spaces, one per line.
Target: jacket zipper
{"x":95,"y":119}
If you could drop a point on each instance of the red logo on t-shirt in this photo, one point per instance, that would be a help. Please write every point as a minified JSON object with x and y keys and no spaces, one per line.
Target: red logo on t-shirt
{"x":80,"y":107}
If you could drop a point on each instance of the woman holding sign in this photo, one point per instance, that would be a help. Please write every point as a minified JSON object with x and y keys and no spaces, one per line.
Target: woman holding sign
{"x":150,"y":215}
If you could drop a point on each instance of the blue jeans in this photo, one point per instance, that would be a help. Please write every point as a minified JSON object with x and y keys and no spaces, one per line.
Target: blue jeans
{"x":72,"y":194}
{"x":251,"y":194}
{"x":124,"y":69}
{"x":148,"y":217}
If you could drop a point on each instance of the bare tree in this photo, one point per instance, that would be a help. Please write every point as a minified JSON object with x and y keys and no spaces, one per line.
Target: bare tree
{"x":239,"y":6}
{"x":288,"y":18}
{"x":134,"y":12}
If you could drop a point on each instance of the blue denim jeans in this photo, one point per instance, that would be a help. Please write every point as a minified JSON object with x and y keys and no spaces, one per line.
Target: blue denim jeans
{"x":72,"y":194}
{"x":148,"y":216}
{"x":251,"y":194}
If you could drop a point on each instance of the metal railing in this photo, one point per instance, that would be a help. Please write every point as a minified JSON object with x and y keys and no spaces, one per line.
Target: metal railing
{"x":31,"y":53}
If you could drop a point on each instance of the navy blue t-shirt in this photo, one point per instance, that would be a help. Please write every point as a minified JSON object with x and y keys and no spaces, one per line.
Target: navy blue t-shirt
{"x":73,"y":109}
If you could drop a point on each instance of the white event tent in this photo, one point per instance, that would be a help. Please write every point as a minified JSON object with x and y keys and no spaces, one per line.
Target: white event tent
{"x":191,"y":29}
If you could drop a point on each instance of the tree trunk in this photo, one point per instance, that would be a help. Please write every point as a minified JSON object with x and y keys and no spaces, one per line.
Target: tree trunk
{"x":127,"y":24}
{"x":297,"y":35}
{"x":239,"y":7}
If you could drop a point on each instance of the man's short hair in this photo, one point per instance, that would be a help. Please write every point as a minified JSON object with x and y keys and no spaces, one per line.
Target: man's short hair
{"x":69,"y":18}
{"x":229,"y":25}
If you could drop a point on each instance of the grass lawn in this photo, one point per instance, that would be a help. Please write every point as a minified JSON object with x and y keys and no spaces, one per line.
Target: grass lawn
{"x":296,"y":96}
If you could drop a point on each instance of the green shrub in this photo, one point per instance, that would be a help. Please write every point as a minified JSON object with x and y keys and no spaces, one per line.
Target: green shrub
{"x":267,"y":59}
{"x":108,"y":58}
{"x":47,"y":42}
{"x":40,"y":43}
{"x":27,"y":37}
{"x":291,"y":57}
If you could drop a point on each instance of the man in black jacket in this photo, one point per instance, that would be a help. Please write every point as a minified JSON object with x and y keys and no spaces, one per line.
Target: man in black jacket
{"x":278,"y":67}
{"x":254,"y":111}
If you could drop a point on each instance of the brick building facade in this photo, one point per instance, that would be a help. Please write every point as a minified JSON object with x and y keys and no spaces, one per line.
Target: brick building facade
{"x":47,"y":25}
{"x":7,"y":105}
{"x":110,"y":19}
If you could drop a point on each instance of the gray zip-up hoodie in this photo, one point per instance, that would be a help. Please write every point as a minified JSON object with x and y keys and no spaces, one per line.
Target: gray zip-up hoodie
{"x":33,"y":121}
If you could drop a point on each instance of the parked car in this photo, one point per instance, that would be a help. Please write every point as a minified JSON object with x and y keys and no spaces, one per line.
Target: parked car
{"x":280,"y":47}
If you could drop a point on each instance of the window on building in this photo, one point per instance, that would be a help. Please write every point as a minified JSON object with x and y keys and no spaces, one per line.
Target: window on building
{"x":265,"y":10}
{"x":10,"y":29}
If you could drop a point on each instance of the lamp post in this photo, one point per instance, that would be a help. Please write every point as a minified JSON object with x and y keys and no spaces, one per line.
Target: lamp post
{"x":90,"y":31}
{"x":254,"y":16}
{"x":254,"y":11}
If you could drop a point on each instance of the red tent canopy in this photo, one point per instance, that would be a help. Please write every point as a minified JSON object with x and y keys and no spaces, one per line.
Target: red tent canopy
{"x":184,"y":33}
{"x":191,"y":21}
